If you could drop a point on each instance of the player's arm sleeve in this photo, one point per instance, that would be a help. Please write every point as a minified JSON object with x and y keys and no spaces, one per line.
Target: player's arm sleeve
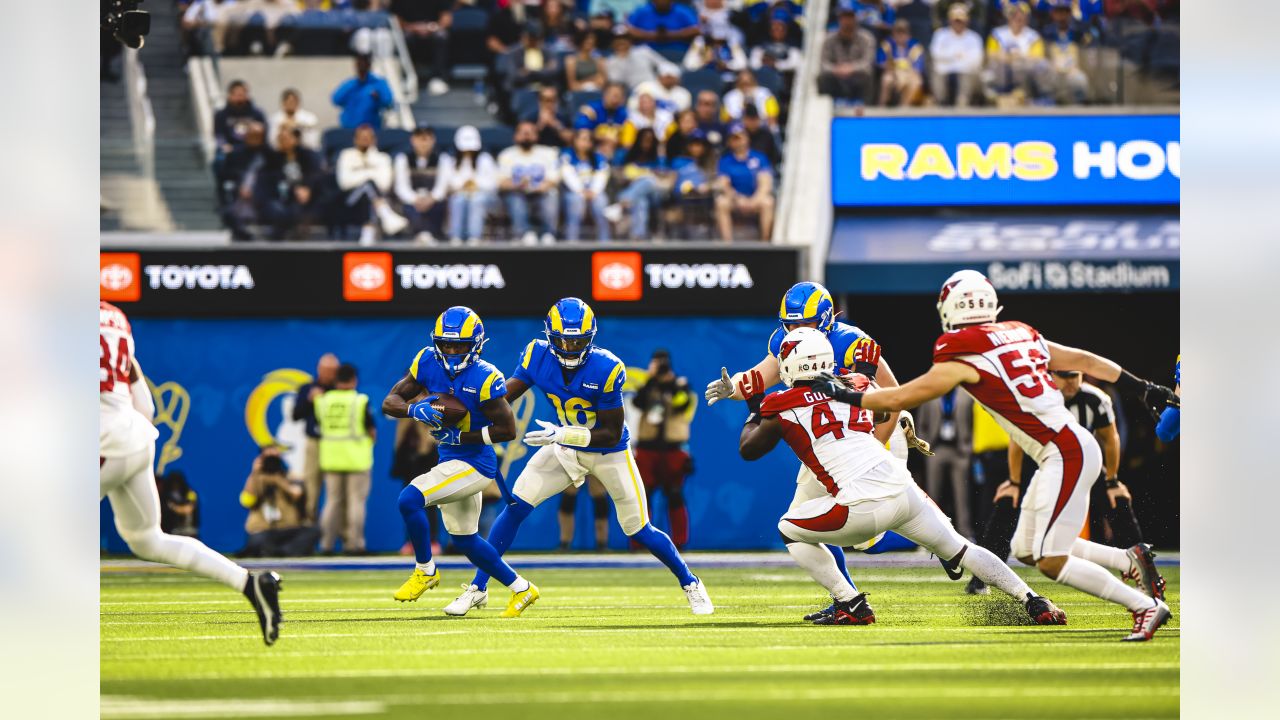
{"x":494,"y":387}
{"x":1169,"y":426}
{"x":524,"y":372}
{"x":611,"y":390}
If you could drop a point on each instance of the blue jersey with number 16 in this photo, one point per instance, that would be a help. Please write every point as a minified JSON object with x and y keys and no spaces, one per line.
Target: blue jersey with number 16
{"x":595,"y":386}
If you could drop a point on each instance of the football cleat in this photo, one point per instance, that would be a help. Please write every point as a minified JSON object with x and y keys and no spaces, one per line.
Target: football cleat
{"x":471,"y":597}
{"x":1044,"y":612}
{"x":976,"y":587}
{"x":1146,"y":622}
{"x":952,"y":567}
{"x":263,"y":591}
{"x":521,"y":600}
{"x":699,"y":601}
{"x":828,"y":610}
{"x":418,"y":583}
{"x":854,"y":612}
{"x":1144,"y":571}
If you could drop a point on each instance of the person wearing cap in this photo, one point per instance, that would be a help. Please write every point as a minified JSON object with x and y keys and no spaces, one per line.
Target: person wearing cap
{"x":846,"y":57}
{"x":416,"y":173}
{"x":975,"y":12}
{"x":1016,"y":66}
{"x":664,"y":25}
{"x":468,"y":179}
{"x":529,"y":174}
{"x":1063,"y":37}
{"x":747,"y":92}
{"x":777,"y":52}
{"x":956,"y":52}
{"x":744,"y":184}
{"x":364,"y":97}
{"x":629,"y":65}
{"x":764,"y":139}
{"x":901,"y":61}
{"x":666,"y":91}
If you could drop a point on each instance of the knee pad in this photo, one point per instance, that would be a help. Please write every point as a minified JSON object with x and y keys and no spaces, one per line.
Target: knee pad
{"x":600,"y":505}
{"x":145,"y":544}
{"x":568,"y":503}
{"x":411,"y":500}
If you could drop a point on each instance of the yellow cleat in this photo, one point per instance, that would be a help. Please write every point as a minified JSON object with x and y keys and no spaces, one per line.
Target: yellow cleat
{"x":521,"y":600}
{"x":418,"y":583}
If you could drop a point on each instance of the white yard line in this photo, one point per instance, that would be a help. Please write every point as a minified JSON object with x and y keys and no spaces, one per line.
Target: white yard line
{"x":121,"y":707}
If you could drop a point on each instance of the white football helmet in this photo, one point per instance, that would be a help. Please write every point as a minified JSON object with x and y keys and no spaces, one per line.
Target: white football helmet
{"x":967,"y":297}
{"x":806,"y":353}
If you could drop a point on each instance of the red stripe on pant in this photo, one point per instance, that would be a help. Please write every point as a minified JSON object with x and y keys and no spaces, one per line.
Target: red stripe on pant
{"x":1072,"y":466}
{"x":829,"y":521}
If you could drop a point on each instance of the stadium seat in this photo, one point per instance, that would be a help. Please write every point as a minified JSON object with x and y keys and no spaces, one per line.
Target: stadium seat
{"x":524,"y":103}
{"x":704,"y":79}
{"x":580,"y":98}
{"x":496,"y":138}
{"x":468,"y":54}
{"x":771,"y":80}
{"x":920,"y":17}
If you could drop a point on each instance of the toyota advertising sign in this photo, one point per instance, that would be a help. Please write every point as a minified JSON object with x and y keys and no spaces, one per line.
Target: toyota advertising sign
{"x":312,"y":282}
{"x":1055,"y":160}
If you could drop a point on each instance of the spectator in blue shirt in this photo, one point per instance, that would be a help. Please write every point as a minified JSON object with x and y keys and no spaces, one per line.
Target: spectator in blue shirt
{"x":364,"y":97}
{"x":664,"y":26}
{"x":606,"y":116}
{"x":745,"y":184}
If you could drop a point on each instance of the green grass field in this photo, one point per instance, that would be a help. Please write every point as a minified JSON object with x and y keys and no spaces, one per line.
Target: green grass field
{"x":622,"y":644}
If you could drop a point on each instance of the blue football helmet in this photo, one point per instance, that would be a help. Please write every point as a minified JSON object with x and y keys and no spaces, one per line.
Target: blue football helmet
{"x":807,"y":302}
{"x":457,"y":339}
{"x":571,"y":326}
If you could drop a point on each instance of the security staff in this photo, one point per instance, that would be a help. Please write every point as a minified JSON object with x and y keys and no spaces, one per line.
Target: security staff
{"x":346,"y":455}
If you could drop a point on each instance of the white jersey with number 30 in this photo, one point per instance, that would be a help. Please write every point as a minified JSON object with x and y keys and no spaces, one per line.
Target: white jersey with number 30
{"x":122,"y":430}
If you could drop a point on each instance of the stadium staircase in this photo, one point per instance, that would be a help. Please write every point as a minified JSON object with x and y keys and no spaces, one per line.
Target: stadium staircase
{"x":460,"y":106}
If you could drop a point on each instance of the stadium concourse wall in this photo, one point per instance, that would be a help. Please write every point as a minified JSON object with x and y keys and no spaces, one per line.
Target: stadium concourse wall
{"x":227,"y":335}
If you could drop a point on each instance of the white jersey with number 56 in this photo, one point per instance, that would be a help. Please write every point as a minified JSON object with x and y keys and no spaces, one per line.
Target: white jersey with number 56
{"x":1012,"y":361}
{"x":122,"y":430}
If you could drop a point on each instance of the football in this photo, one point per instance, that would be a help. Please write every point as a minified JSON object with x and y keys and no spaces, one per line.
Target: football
{"x":452,"y":408}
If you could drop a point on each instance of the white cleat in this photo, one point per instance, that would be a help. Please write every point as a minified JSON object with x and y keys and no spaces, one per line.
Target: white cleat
{"x":699,"y":601}
{"x":471,"y":597}
{"x":1146,"y":622}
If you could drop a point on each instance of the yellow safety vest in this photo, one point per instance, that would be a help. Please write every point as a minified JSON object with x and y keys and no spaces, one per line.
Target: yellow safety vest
{"x":345,"y":444}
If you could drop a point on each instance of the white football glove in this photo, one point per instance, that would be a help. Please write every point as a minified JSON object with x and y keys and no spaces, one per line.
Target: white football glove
{"x":573,"y":435}
{"x":719,"y":389}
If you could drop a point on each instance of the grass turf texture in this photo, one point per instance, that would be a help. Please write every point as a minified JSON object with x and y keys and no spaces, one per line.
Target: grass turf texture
{"x":622,"y":644}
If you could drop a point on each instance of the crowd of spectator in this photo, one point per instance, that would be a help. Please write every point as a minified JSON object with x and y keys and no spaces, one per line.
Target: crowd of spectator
{"x":959,"y":52}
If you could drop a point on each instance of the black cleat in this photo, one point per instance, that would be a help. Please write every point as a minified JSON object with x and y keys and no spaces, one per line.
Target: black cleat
{"x":1145,"y":572}
{"x":263,"y":591}
{"x":853,"y":612}
{"x":825,"y":612}
{"x":1044,"y":612}
{"x":976,"y":587}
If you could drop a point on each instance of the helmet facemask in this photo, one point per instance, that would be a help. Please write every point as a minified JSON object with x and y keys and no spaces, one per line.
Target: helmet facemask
{"x":570,"y":350}
{"x":456,"y":354}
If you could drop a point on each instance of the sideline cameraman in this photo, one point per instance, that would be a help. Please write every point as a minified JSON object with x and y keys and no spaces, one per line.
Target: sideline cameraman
{"x":667,"y":408}
{"x":274,"y":502}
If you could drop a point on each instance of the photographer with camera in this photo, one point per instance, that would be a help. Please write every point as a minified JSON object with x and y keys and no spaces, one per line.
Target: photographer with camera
{"x":275,"y":503}
{"x":667,"y":408}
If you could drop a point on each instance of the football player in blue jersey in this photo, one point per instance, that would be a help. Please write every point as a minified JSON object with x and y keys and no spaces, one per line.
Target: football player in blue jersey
{"x":584,"y":384}
{"x":452,"y":365}
{"x":1168,"y":424}
{"x":808,"y":304}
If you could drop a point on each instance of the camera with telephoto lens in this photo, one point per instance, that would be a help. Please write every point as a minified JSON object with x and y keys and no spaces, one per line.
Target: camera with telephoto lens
{"x":126,"y":22}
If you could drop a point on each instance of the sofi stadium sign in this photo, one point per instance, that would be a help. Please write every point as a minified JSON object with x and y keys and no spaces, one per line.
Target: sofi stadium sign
{"x":1006,"y":160}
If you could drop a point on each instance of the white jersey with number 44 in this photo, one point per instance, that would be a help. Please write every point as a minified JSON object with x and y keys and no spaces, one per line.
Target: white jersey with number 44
{"x":1014,"y":385}
{"x":122,"y":430}
{"x":834,"y":440}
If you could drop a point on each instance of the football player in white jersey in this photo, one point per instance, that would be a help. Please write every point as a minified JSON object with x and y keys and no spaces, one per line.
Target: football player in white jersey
{"x":1006,"y":367}
{"x":867,"y":491}
{"x":126,"y":450}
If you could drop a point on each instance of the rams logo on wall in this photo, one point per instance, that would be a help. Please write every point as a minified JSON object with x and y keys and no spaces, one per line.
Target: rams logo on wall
{"x":281,"y":385}
{"x":172,"y":405}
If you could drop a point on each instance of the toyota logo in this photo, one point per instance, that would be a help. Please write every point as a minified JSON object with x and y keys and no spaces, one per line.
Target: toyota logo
{"x":617,"y":276}
{"x":367,"y":276}
{"x":115,"y":276}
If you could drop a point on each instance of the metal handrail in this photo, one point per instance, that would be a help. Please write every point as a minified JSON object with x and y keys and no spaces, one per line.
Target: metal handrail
{"x":142,"y":120}
{"x":408,"y":73}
